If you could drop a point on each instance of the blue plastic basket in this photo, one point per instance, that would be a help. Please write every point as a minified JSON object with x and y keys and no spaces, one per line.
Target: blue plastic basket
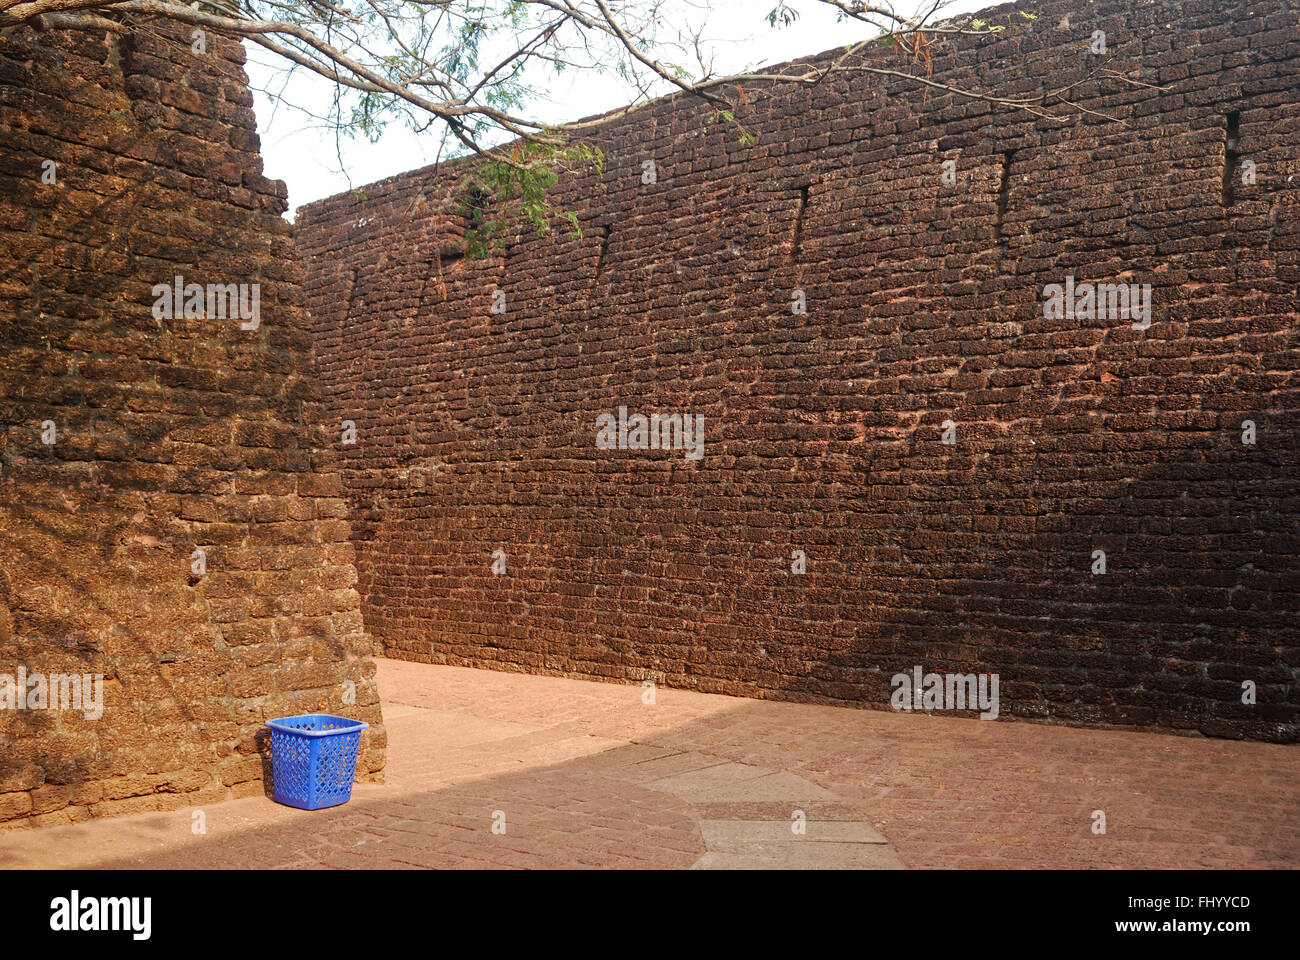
{"x":313,"y":759}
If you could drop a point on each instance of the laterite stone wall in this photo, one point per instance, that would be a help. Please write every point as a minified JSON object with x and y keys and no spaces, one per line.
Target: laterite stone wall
{"x":476,"y":431}
{"x":169,"y":436}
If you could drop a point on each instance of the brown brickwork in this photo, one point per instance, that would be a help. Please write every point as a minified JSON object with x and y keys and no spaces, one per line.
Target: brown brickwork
{"x":171,"y":435}
{"x":476,"y":431}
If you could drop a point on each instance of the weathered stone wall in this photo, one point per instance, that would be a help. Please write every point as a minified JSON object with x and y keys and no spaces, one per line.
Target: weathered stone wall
{"x":171,"y":436}
{"x":476,"y":431}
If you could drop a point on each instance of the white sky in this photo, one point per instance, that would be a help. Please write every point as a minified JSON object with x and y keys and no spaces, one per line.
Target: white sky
{"x":315,"y":163}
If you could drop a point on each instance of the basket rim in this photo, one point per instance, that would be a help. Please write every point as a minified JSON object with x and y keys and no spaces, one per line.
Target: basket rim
{"x":282,"y":724}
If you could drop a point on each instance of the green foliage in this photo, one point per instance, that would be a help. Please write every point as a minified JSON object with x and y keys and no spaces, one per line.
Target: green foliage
{"x":782,"y":15}
{"x":724,"y":115}
{"x":520,"y":183}
{"x":473,"y":70}
{"x":439,"y":50}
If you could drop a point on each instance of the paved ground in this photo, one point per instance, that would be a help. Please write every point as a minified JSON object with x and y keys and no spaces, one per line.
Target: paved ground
{"x":587,"y":775}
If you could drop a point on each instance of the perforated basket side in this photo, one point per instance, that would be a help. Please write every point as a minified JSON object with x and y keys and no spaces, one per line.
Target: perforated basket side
{"x":291,"y":765}
{"x":334,"y":767}
{"x":314,"y":768}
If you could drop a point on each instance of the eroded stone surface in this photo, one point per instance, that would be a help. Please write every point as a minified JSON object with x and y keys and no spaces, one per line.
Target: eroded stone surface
{"x":168,"y":435}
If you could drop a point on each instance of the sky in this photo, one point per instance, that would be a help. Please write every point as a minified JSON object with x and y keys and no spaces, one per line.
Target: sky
{"x":315,"y":162}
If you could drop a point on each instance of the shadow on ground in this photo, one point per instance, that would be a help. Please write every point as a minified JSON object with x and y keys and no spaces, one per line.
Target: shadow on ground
{"x":580,"y":774}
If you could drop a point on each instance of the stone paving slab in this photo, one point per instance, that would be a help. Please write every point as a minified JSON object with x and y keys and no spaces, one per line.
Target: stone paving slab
{"x":773,"y":786}
{"x":674,"y":764}
{"x":777,"y":811}
{"x":713,"y":777}
{"x":854,"y":856}
{"x":720,"y":832}
{"x":578,"y":771}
